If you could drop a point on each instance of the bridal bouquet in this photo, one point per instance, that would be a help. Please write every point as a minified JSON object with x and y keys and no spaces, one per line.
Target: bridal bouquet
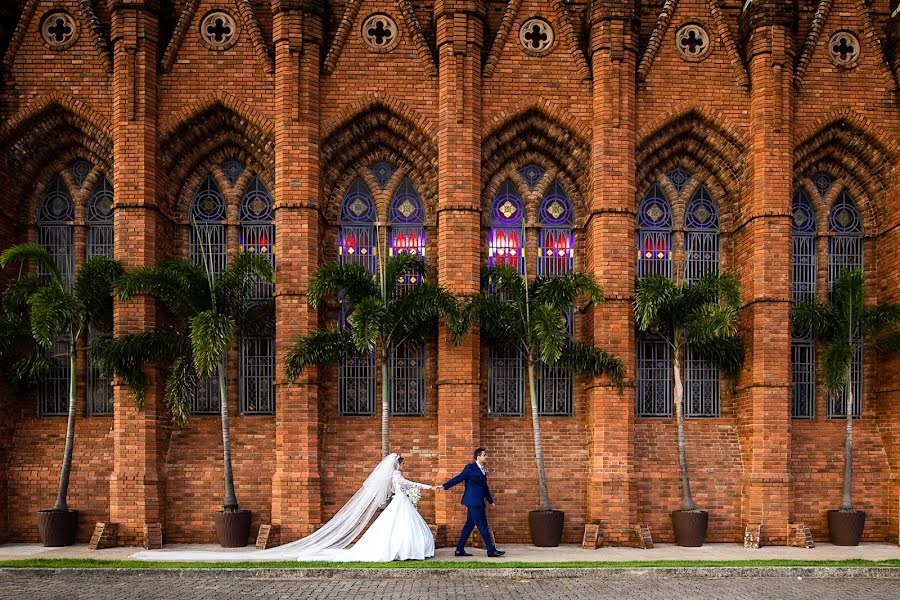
{"x":414,"y":494}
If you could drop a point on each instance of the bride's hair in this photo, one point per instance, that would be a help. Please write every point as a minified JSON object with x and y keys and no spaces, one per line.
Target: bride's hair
{"x":399,"y":461}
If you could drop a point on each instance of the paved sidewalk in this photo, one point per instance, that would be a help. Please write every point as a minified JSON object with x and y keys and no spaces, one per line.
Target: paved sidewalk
{"x":525,"y":553}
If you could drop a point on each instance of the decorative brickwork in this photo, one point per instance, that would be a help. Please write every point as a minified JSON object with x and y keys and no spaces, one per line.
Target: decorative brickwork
{"x":106,"y":535}
{"x":799,"y":536}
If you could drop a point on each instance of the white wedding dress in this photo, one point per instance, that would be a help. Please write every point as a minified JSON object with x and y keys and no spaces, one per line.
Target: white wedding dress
{"x":399,"y":532}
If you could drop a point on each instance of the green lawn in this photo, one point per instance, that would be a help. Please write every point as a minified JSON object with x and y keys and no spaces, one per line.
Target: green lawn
{"x":86,"y":563}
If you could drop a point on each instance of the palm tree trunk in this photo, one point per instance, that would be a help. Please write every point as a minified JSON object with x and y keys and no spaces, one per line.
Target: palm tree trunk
{"x":847,"y":497}
{"x":538,"y":443}
{"x":385,"y":405}
{"x":66,"y":469}
{"x":687,"y":501}
{"x":231,"y":503}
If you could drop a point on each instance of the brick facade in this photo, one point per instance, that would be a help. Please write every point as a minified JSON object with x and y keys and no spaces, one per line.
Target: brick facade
{"x":459,"y":106}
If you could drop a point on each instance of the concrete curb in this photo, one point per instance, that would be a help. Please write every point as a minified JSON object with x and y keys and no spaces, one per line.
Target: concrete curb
{"x":511,"y":573}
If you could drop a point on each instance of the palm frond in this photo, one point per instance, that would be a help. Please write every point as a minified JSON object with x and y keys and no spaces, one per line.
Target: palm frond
{"x":366,"y":323}
{"x":564,"y":290}
{"x":848,"y":299}
{"x":181,"y":385}
{"x":24,"y":254}
{"x":235,"y":286}
{"x":886,"y":342}
{"x":588,"y":360}
{"x":727,"y":352}
{"x":500,"y":321}
{"x":179,"y":284}
{"x":398,"y":266}
{"x":836,"y":361}
{"x":211,"y":334}
{"x":710,"y":323}
{"x":352,"y":282}
{"x":257,"y":319}
{"x":15,"y":334}
{"x":506,"y":282}
{"x":31,"y":370}
{"x":17,"y":292}
{"x":654,"y":298}
{"x":54,"y":312}
{"x":124,"y":356}
{"x":322,"y":347}
{"x":414,"y":314}
{"x":822,"y":320}
{"x":881,"y":318}
{"x":549,"y":331}
{"x":94,"y":286}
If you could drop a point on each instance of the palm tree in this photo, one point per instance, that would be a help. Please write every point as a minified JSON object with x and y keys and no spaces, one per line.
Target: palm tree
{"x":41,"y":307}
{"x":385,"y":314}
{"x":530,"y":318}
{"x":702,"y":316}
{"x":844,"y":326}
{"x":208,"y":314}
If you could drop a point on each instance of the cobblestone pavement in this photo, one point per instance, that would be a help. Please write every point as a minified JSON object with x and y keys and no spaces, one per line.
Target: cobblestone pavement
{"x":53,"y":585}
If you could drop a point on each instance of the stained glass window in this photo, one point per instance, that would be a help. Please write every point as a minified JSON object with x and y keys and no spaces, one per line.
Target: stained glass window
{"x":556,"y":255}
{"x":256,"y":374}
{"x":506,"y":367}
{"x":99,"y":243}
{"x":80,"y":169}
{"x":845,"y":251}
{"x":803,"y":286}
{"x":407,"y":364}
{"x":382,"y":171}
{"x":357,"y":244}
{"x":232,"y":170}
{"x":531,"y":174}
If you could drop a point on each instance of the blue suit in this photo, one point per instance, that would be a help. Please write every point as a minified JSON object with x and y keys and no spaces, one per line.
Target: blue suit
{"x":476,"y":493}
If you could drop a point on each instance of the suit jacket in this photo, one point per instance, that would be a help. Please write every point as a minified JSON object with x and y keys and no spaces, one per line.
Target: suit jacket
{"x":477,"y":490}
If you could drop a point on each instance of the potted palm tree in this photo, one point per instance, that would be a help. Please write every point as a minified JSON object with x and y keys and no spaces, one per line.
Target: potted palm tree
{"x":208,"y":315}
{"x":702,"y":316}
{"x":843,"y":326}
{"x":41,"y":308}
{"x":529,"y":317}
{"x":384,"y":315}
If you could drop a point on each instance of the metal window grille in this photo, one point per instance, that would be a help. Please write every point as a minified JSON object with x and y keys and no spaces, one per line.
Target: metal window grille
{"x":258,"y":230}
{"x":55,"y":217}
{"x":257,"y":375}
{"x":209,"y":249}
{"x":654,"y":251}
{"x":845,"y":251}
{"x":803,"y":284}
{"x":100,"y":220}
{"x":506,"y":367}
{"x":407,"y":384}
{"x":99,"y":388}
{"x":80,"y":169}
{"x":654,"y":377}
{"x":53,"y":393}
{"x":357,"y":244}
{"x":701,"y":256}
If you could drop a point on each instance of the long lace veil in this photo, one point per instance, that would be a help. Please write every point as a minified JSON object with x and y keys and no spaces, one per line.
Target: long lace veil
{"x":337,"y":534}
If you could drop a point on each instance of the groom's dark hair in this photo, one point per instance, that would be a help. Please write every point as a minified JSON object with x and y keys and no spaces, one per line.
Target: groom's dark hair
{"x":478,"y":452}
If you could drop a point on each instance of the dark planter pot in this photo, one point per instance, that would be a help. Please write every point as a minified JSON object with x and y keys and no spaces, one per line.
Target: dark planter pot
{"x":546,"y":527}
{"x":233,"y":528}
{"x":57,"y":528}
{"x":845,"y":528}
{"x":690,"y":527}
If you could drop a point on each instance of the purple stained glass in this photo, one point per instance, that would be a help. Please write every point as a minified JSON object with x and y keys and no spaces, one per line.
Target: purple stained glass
{"x":822,"y":181}
{"x":358,"y":205}
{"x":679,"y":178}
{"x":406,"y":206}
{"x":654,"y":212}
{"x":803,"y":219}
{"x":531,"y":174}
{"x":701,"y":212}
{"x":555,"y":207}
{"x":507,"y":208}
{"x":382,"y":171}
{"x":232,"y":169}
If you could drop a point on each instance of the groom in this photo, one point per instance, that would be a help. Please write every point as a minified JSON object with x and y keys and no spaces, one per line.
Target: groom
{"x":473,"y":499}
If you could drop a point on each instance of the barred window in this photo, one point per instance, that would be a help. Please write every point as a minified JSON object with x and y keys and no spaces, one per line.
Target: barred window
{"x":803,"y":289}
{"x":99,"y":243}
{"x":556,"y":255}
{"x":845,"y":251}
{"x":701,"y":256}
{"x":506,"y":367}
{"x":256,"y":373}
{"x":407,"y":362}
{"x":654,"y":257}
{"x":208,"y":246}
{"x":357,"y":244}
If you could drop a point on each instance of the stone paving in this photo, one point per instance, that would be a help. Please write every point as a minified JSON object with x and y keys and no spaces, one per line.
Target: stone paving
{"x":194,"y":585}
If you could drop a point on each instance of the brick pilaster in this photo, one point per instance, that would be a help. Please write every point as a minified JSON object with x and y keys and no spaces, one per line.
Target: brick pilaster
{"x":613,"y":42}
{"x":460,"y":31}
{"x":136,"y":487}
{"x":762,"y":257}
{"x":296,"y":486}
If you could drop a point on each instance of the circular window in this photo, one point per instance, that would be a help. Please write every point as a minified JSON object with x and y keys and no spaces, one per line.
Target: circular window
{"x":218,"y":30}
{"x":843,"y":47}
{"x":536,"y":36}
{"x":380,"y":33}
{"x":692,"y":42}
{"x":59,"y":30}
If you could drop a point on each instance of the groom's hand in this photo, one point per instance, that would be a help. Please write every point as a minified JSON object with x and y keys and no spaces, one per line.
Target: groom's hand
{"x":492,"y":504}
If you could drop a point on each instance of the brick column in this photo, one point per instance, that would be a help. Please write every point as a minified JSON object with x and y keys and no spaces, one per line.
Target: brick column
{"x":136,"y":487}
{"x":762,"y":258}
{"x":460,"y":31}
{"x":610,"y":257}
{"x":296,"y":486}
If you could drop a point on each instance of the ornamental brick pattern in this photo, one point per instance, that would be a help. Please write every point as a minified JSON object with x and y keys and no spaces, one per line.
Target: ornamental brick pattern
{"x":457,"y":105}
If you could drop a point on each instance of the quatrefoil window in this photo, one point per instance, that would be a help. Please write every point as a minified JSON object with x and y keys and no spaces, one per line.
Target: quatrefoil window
{"x":692,"y":42}
{"x":218,"y":30}
{"x":380,"y":33}
{"x":536,"y":36}
{"x":843,"y":47}
{"x":59,"y":30}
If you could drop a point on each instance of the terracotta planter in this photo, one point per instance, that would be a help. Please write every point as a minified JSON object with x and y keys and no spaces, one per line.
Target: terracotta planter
{"x":845,"y":528}
{"x":546,"y":527}
{"x":233,"y":528}
{"x":57,"y":528}
{"x":690,"y":527}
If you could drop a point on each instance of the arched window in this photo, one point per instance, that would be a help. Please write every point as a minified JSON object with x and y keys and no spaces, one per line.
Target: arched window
{"x":803,"y":289}
{"x":56,"y":214}
{"x":357,"y":244}
{"x":654,"y":257}
{"x":208,"y":247}
{"x":701,"y":256}
{"x":407,"y":366}
{"x":256,"y":374}
{"x":506,"y":367}
{"x":99,"y":243}
{"x":556,"y":256}
{"x":845,"y":251}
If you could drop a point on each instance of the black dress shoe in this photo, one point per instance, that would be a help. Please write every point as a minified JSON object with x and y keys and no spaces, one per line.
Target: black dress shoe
{"x":463,"y":553}
{"x":496,"y":554}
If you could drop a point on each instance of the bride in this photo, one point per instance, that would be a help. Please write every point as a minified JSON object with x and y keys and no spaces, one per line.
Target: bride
{"x":399,"y":532}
